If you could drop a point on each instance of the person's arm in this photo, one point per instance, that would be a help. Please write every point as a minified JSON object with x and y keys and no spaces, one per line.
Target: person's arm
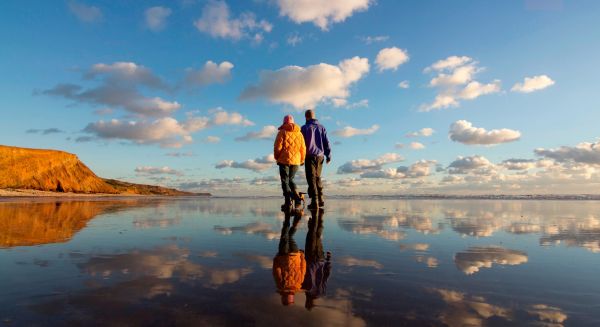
{"x":327,"y":148}
{"x":278,"y":145}
{"x":303,"y":150}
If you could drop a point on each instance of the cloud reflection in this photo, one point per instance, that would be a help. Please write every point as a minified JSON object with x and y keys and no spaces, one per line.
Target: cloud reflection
{"x":479,"y":257}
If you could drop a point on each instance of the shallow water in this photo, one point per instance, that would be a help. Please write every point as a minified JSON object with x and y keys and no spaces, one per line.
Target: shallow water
{"x":209,"y":262}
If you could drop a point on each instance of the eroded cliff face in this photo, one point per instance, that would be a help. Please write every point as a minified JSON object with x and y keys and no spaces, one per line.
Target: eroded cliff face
{"x":59,"y":171}
{"x":48,"y":170}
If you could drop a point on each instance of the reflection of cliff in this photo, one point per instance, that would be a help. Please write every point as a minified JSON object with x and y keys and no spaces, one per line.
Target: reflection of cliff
{"x":25,"y":223}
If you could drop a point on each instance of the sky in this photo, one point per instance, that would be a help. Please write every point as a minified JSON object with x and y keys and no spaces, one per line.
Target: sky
{"x":447,"y":97}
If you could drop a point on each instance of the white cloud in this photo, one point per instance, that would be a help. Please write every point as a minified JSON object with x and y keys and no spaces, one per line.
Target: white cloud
{"x":350,"y":131}
{"x":364,"y":103}
{"x":167,"y":131}
{"x":156,"y":17}
{"x":464,"y":132}
{"x":294,"y":39}
{"x":322,"y":13}
{"x":85,"y":13}
{"x":211,"y":73}
{"x":305,"y":87}
{"x":212,"y":139}
{"x":362,"y":165}
{"x":216,"y":22}
{"x":465,"y":165}
{"x":266,"y":133}
{"x":374,"y":39}
{"x":519,"y":164}
{"x":532,"y":84}
{"x":454,"y":81}
{"x":449,"y":63}
{"x":421,"y":168}
{"x":585,"y":153}
{"x":404,"y":84}
{"x":256,"y":165}
{"x":426,"y":131}
{"x":416,"y":146}
{"x":118,"y":87}
{"x":149,"y":170}
{"x":391,"y":58}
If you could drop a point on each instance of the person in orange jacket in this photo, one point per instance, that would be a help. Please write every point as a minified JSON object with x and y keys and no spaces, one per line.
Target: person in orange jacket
{"x":289,"y":265}
{"x":289,"y":151}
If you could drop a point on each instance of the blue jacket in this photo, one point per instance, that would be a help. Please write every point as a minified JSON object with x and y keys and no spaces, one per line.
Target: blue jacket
{"x":315,"y":137}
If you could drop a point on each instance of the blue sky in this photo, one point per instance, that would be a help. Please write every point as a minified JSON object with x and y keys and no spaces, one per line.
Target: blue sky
{"x":183,"y":71}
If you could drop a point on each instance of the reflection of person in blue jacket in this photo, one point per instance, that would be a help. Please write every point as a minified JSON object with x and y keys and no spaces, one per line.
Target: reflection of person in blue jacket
{"x":318,"y":267}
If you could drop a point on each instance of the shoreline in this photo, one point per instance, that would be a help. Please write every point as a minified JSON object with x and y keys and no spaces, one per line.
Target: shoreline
{"x":8,"y":194}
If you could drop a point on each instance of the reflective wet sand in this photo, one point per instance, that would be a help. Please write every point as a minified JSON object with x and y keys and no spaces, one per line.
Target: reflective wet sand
{"x":193,"y":262}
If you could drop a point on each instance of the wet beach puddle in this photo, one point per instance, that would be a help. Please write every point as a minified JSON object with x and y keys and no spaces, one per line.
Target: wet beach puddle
{"x":191,"y":262}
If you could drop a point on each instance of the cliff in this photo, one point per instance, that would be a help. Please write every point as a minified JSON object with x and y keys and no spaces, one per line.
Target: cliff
{"x":59,"y":171}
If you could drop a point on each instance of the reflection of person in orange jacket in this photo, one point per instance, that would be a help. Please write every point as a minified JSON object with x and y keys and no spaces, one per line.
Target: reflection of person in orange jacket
{"x":318,"y":266}
{"x":289,"y":265}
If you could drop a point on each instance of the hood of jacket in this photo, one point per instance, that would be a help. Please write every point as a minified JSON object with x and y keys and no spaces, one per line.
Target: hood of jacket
{"x":290,"y":127}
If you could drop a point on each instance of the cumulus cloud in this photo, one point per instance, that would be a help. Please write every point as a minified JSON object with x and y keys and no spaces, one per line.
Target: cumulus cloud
{"x":149,"y":170}
{"x":421,"y":168}
{"x":167,"y":131}
{"x":304,"y":87}
{"x":266,"y":133}
{"x":180,"y":154}
{"x":118,"y":87}
{"x":362,"y":165}
{"x":464,"y":132}
{"x":479,"y":257}
{"x":156,"y":17}
{"x":532,"y":84}
{"x":350,"y":131}
{"x":416,"y":145}
{"x":585,"y":153}
{"x":422,"y":132}
{"x":391,"y":58}
{"x":256,"y":165}
{"x":217,"y":22}
{"x":322,"y":13}
{"x":85,"y":13}
{"x":518,"y":164}
{"x":472,"y":164}
{"x":374,"y":39}
{"x":211,"y":73}
{"x":455,"y":82}
{"x":404,"y":84}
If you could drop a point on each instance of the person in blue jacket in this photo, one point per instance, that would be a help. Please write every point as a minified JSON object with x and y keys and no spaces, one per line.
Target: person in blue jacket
{"x":317,"y":151}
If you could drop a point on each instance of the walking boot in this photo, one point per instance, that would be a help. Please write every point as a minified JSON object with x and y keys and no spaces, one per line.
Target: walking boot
{"x":297,"y":201}
{"x":321,"y":202}
{"x":313,"y":205}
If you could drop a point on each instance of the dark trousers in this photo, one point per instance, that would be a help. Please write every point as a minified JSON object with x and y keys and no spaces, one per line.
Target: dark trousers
{"x":313,"y":166}
{"x":286,"y":174}
{"x":287,"y":244}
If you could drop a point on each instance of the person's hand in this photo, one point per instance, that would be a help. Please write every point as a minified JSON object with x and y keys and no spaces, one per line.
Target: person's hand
{"x":328,"y":160}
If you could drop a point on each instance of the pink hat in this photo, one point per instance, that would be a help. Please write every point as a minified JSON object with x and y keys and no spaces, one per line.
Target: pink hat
{"x":289,"y":119}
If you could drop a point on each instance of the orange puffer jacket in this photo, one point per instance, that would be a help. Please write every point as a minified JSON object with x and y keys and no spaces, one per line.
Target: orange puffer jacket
{"x":289,"y":148}
{"x":289,"y":271}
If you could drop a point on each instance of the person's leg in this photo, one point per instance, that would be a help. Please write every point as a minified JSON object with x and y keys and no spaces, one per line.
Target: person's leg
{"x":293,"y":192}
{"x":285,"y":186}
{"x":309,"y":166}
{"x":318,"y":182}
